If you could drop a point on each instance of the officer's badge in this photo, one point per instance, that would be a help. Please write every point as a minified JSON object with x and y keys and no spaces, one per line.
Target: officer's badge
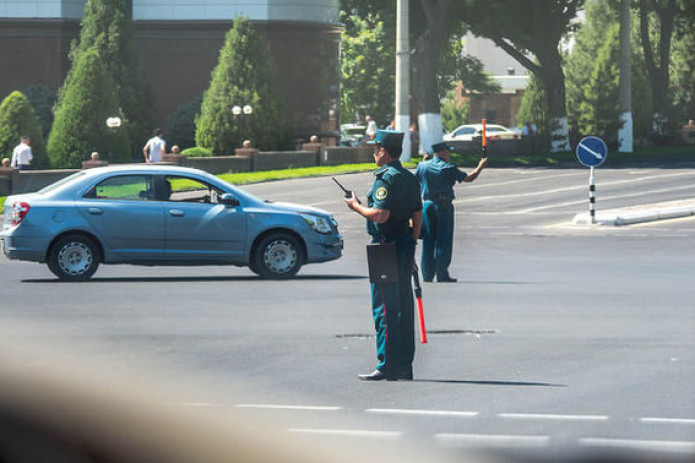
{"x":381,"y":193}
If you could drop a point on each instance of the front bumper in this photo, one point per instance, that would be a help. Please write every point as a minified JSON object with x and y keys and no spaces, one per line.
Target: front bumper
{"x":328,"y":247}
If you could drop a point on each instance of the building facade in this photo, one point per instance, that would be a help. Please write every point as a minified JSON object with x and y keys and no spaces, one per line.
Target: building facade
{"x":178,"y":42}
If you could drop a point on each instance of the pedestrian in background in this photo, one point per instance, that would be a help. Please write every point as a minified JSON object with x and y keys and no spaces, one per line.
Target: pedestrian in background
{"x":414,"y":139}
{"x":370,"y":132}
{"x":22,"y":155}
{"x":155,"y":147}
{"x":437,"y":179}
{"x":394,"y":214}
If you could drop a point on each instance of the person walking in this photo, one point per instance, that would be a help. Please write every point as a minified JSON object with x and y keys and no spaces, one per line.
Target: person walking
{"x":437,"y":179}
{"x":394,"y":215}
{"x":155,"y":147}
{"x":370,"y":132}
{"x":22,"y":155}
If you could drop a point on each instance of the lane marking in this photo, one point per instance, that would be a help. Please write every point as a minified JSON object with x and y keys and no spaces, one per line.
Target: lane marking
{"x":546,"y":416}
{"x":668,"y":420}
{"x":289,"y":407}
{"x":494,"y":440}
{"x":661,"y":445}
{"x":350,"y":432}
{"x":396,"y":411}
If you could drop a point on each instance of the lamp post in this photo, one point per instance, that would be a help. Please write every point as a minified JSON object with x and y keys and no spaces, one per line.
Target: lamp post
{"x":113,"y":123}
{"x":247,"y":110}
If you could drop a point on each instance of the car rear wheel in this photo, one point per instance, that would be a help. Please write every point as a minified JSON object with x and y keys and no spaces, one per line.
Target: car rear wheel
{"x":73,"y":258}
{"x":277,"y":256}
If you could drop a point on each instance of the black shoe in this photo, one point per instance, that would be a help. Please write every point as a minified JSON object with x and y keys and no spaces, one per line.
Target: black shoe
{"x":447,"y":280}
{"x":376,"y":375}
{"x":427,"y":280}
{"x":400,"y":377}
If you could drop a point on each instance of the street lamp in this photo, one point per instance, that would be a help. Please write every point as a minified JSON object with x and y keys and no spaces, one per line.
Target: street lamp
{"x":239,"y":111}
{"x":113,"y":123}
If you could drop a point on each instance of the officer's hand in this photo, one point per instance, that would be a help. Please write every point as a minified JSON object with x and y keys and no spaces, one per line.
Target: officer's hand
{"x":482,"y":163}
{"x":352,"y":200}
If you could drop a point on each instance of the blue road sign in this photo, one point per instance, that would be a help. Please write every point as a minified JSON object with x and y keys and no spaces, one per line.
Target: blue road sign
{"x":592,"y":151}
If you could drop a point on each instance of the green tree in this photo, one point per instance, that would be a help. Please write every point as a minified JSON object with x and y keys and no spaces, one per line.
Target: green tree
{"x":368,"y":70}
{"x":17,"y":118}
{"x":88,"y":99}
{"x":682,"y":72}
{"x":600,"y":108}
{"x":42,"y":99}
{"x":454,"y":111}
{"x":107,"y":27}
{"x":534,"y":106}
{"x":242,"y":77}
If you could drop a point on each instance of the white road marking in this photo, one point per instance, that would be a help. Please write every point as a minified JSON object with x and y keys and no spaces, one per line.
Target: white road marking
{"x":350,"y":432}
{"x":667,"y":420}
{"x":660,"y":445}
{"x":289,"y":407}
{"x":492,"y":440}
{"x":544,"y":416}
{"x":396,"y":411}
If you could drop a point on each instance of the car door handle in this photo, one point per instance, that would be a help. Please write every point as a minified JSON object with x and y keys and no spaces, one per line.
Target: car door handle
{"x":95,"y":210}
{"x":176,"y":212}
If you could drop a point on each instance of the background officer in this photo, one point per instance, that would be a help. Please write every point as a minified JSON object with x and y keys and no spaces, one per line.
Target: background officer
{"x":394,"y":214}
{"x":437,"y":178}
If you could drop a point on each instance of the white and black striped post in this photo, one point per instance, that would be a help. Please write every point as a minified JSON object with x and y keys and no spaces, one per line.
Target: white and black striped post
{"x":592,"y":196}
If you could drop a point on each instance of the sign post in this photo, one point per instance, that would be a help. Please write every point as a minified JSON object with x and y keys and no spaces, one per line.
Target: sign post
{"x":592,"y":152}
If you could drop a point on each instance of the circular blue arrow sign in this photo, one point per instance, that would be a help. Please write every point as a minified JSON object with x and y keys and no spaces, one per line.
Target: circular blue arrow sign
{"x":592,"y":151}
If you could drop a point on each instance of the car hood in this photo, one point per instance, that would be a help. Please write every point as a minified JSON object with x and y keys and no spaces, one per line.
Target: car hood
{"x":298,"y":208}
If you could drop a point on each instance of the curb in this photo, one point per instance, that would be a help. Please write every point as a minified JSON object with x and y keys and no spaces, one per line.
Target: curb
{"x":640,"y":214}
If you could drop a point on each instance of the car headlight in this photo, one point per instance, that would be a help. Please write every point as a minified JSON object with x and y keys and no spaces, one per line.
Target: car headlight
{"x":319,"y":224}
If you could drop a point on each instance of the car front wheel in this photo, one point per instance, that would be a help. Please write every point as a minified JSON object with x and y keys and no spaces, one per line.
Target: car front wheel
{"x":73,"y":258}
{"x":277,"y":256}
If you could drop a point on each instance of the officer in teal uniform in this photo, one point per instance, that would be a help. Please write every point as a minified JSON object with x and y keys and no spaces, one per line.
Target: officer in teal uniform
{"x":394,"y":214}
{"x":437,"y":178}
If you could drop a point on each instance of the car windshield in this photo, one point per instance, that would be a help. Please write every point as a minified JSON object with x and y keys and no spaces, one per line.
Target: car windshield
{"x":63,"y":182}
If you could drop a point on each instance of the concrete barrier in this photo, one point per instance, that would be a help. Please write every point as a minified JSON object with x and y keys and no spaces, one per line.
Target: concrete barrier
{"x":221,"y":164}
{"x":334,"y":155}
{"x":272,"y":160}
{"x":34,"y":180}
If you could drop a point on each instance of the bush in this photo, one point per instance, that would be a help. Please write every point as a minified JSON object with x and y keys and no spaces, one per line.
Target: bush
{"x":87,"y":99}
{"x":242,"y":77}
{"x":181,"y":124}
{"x":197,"y":152}
{"x":17,"y":118}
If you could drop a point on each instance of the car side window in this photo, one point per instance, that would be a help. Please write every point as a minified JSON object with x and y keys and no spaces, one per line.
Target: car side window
{"x":464,"y":131}
{"x":124,"y":187}
{"x":190,"y":190}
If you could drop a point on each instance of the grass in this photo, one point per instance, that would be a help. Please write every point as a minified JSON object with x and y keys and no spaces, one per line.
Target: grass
{"x":302,"y":172}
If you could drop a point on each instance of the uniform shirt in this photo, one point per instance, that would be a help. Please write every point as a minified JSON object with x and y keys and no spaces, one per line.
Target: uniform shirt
{"x":156,"y":146}
{"x":21,"y":156}
{"x":397,"y":190}
{"x":437,"y":179}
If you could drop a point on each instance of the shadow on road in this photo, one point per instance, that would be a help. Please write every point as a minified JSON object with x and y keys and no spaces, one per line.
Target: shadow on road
{"x":250,"y":278}
{"x":490,"y":383}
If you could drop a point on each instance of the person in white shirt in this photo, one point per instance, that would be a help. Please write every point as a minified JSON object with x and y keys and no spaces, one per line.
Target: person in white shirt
{"x":155,"y":147}
{"x":22,"y":155}
{"x":371,"y":128}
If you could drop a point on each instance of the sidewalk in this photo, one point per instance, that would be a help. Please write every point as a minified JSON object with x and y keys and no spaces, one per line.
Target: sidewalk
{"x":640,"y":214}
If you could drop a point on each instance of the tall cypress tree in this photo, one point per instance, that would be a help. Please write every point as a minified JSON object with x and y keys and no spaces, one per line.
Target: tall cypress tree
{"x":242,"y":77}
{"x":107,"y":27}
{"x":87,"y":99}
{"x":17,"y":118}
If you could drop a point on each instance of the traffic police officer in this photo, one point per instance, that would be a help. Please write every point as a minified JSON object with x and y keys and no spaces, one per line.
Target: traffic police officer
{"x":394,"y":214}
{"x":437,"y":178}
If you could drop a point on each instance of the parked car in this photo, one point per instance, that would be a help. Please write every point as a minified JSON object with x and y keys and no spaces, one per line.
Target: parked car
{"x":470,"y":132}
{"x":352,"y":135}
{"x":162,"y":215}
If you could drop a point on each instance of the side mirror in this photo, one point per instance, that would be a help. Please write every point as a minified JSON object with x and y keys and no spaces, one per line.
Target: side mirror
{"x":229,"y":200}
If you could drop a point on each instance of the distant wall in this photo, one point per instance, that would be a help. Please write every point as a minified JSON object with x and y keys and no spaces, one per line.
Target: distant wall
{"x":14,"y":182}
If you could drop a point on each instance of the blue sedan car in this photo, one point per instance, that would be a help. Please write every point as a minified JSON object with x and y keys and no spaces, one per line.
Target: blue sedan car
{"x":162,"y":215}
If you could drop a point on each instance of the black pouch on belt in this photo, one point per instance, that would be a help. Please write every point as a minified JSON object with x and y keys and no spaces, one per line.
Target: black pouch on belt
{"x":382,"y":262}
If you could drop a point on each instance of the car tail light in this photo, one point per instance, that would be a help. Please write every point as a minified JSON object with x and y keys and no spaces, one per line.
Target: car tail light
{"x":19,"y":211}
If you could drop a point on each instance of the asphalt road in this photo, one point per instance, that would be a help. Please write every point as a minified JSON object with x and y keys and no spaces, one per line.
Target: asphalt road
{"x":555,"y":335}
